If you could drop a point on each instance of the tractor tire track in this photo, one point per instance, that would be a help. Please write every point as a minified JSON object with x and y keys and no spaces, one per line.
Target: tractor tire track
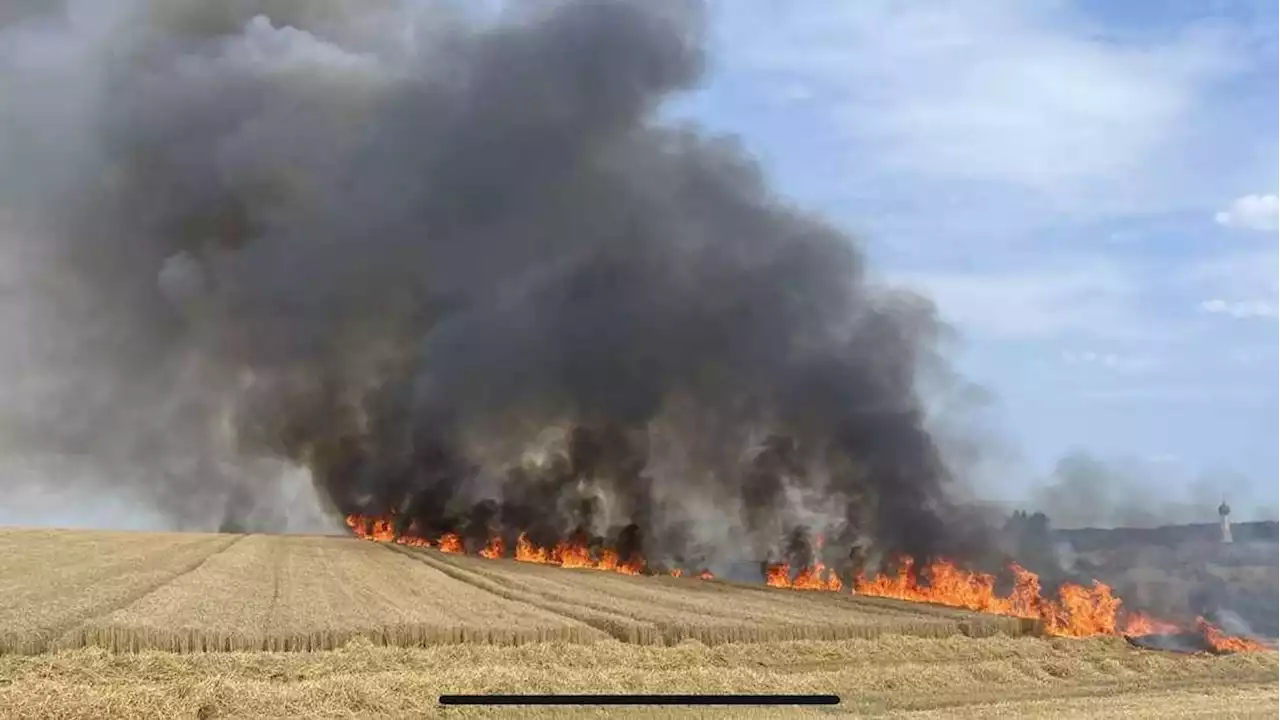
{"x":609,"y":624}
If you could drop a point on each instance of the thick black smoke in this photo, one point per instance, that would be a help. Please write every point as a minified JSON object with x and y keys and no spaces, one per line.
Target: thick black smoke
{"x":453,"y":264}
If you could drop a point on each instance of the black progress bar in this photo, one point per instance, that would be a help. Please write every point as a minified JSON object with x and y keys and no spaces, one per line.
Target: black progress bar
{"x":639,"y":700}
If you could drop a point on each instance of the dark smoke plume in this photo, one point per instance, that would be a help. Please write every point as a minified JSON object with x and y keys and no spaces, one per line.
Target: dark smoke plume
{"x":451,"y":265}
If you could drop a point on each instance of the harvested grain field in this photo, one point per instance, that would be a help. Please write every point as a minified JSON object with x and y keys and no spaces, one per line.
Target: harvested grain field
{"x":52,"y":581}
{"x":199,"y":593}
{"x":262,"y":592}
{"x":667,"y":610}
{"x":168,"y":625}
{"x":892,"y":676}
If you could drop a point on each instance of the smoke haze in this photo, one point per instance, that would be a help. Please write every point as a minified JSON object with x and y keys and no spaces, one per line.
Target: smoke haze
{"x":1087,"y":491}
{"x":442,"y":263}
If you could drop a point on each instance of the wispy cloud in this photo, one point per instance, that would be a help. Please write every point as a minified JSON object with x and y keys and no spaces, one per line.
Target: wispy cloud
{"x":1246,"y":357}
{"x":1089,"y":357}
{"x":1111,"y":361}
{"x":1251,"y":271}
{"x":1238,"y":394}
{"x":1241,"y":285}
{"x":1009,"y":92}
{"x":1048,"y":171}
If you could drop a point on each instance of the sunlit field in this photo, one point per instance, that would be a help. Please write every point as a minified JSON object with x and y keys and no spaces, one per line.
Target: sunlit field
{"x":100,"y":624}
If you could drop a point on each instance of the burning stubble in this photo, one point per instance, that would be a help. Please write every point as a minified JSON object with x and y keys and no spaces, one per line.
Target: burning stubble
{"x":454,"y":266}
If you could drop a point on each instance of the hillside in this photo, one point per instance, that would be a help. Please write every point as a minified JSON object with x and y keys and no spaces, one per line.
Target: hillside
{"x":1092,"y":539}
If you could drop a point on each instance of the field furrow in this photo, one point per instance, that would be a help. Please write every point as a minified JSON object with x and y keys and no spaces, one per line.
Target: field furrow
{"x":311,"y":593}
{"x":224,"y":604}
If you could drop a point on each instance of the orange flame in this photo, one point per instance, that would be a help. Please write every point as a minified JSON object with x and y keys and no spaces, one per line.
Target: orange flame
{"x":383,"y":529}
{"x":450,"y":543}
{"x":576,"y":555}
{"x":494,"y":549}
{"x":1139,"y":624}
{"x":566,"y":553}
{"x":1222,"y":642}
{"x":526,"y":551}
{"x":572,"y":556}
{"x":778,"y":575}
{"x":813,"y":577}
{"x":1078,"y":611}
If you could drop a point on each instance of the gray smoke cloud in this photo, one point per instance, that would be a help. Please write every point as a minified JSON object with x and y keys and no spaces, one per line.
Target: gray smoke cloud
{"x":1089,"y":491}
{"x":445,"y":262}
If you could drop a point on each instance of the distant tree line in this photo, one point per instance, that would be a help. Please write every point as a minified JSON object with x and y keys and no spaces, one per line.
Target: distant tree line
{"x":1029,"y":538}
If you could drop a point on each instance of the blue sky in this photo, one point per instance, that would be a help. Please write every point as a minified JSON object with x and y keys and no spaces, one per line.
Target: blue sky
{"x":1086,"y":189}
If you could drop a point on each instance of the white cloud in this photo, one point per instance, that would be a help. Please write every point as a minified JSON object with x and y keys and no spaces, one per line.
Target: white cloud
{"x":1241,"y":285}
{"x":1072,"y":357}
{"x":1019,"y":92}
{"x":1107,"y":360}
{"x":1088,"y":357}
{"x":1251,"y":212}
{"x":1242,"y":309}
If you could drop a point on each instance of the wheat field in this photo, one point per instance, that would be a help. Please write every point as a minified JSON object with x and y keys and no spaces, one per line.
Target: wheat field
{"x":51,"y":581}
{"x":265,"y":592}
{"x":201,"y":593}
{"x":667,"y":610}
{"x":96,"y":624}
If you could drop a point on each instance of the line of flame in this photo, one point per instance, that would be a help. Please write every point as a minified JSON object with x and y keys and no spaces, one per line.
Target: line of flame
{"x":563,"y":553}
{"x":1078,"y":611}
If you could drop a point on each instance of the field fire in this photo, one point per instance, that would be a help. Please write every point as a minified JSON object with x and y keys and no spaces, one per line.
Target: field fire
{"x":481,"y":296}
{"x":565,"y":553}
{"x":1077,"y":611}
